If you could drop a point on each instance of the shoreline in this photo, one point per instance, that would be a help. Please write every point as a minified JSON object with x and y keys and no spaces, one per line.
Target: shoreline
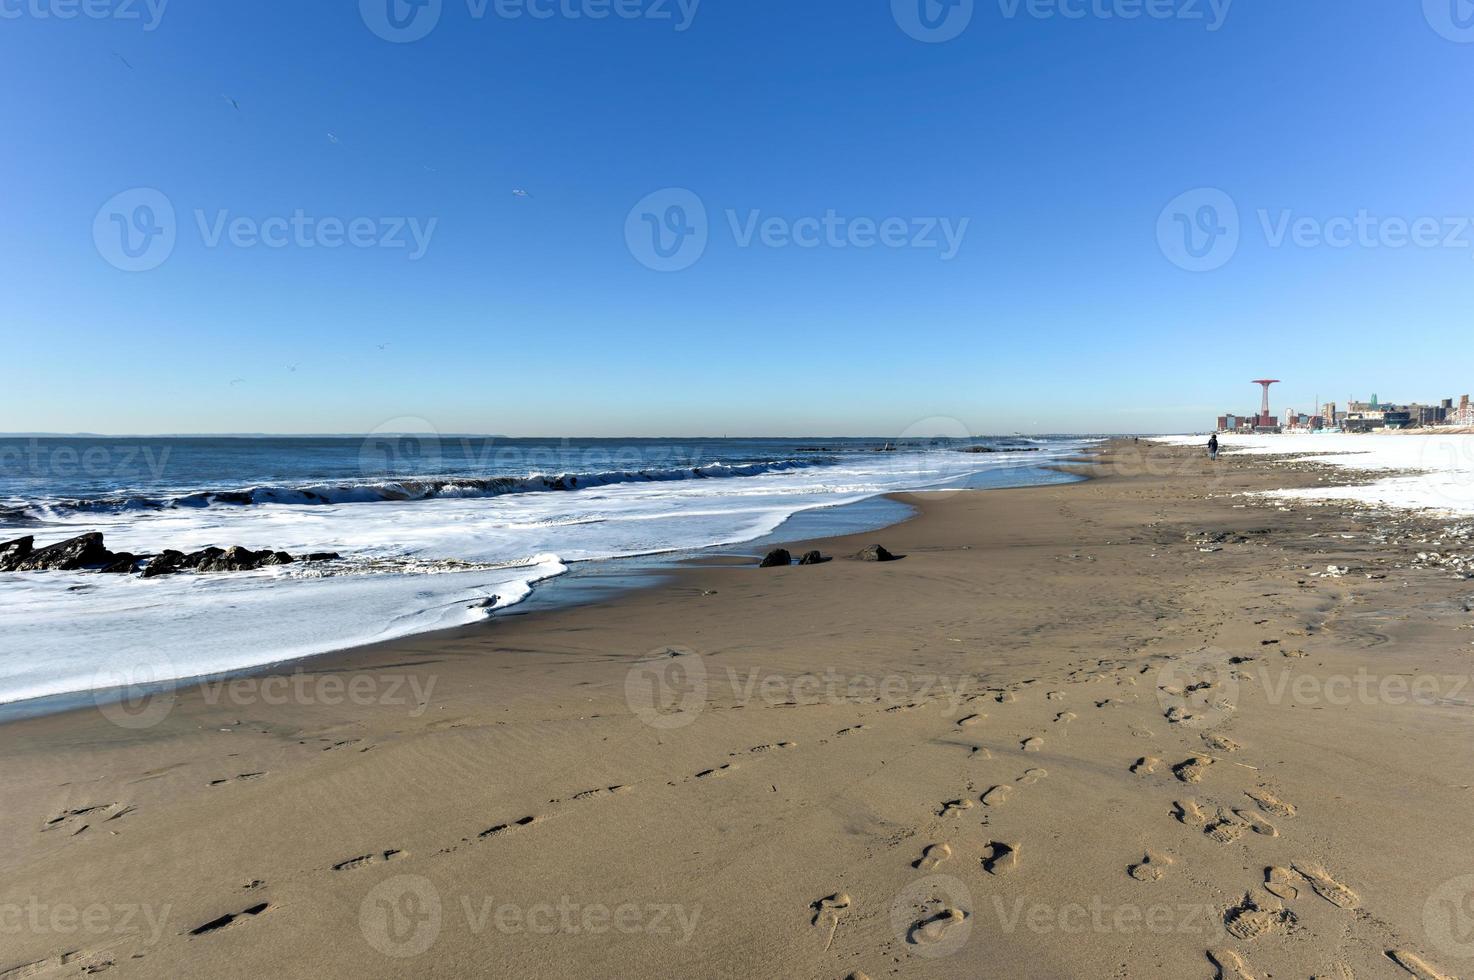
{"x":767,"y":738}
{"x":628,"y":573}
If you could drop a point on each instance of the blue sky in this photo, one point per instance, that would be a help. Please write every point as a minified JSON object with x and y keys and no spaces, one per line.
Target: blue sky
{"x":1058,"y":140}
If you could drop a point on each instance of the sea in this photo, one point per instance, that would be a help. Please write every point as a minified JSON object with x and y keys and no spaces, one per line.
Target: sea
{"x":432,"y":532}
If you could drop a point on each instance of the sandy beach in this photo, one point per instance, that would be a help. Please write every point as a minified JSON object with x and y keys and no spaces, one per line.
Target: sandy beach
{"x":1137,"y":726}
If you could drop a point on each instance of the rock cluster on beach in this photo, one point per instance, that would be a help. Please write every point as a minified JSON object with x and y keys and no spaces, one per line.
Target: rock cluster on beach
{"x":782,"y":558}
{"x":87,"y":552}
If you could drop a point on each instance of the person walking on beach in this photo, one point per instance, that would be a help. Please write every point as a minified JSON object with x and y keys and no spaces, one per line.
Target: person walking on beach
{"x":1213,"y":446}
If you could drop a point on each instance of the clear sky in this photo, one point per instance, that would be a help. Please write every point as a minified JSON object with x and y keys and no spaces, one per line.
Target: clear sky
{"x":1048,"y":137}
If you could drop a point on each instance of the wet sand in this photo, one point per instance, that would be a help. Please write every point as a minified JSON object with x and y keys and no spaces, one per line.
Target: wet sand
{"x":1128,"y":727}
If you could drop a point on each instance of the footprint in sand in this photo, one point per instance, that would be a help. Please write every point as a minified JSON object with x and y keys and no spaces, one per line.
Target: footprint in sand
{"x":1005,"y":697}
{"x":1146,"y":765}
{"x":1230,"y":965}
{"x":971,"y":720}
{"x":935,"y":928}
{"x":851,"y":730}
{"x":827,"y":912}
{"x":81,"y":818}
{"x":932,"y":857}
{"x":598,"y":791}
{"x":1270,"y":803}
{"x":1032,"y":744}
{"x":997,"y":796}
{"x":1417,"y":967}
{"x":226,"y":920}
{"x":980,"y":753}
{"x":1257,"y":823}
{"x":1031,"y":776}
{"x":1054,"y":695}
{"x":953,"y":808}
{"x":1221,"y":743}
{"x":363,"y":860}
{"x":770,"y":748}
{"x":1000,"y":859}
{"x":243,"y":777}
{"x":1191,"y":770}
{"x":502,"y":828}
{"x":1065,"y":717}
{"x":1152,"y":867}
{"x":717,"y":772}
{"x":1187,"y":812}
{"x":1225,"y":830}
{"x":1259,"y":913}
{"x":1280,"y":882}
{"x":1327,"y":887}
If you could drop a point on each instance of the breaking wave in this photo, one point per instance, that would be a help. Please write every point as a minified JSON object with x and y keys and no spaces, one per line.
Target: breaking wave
{"x":420,"y":488}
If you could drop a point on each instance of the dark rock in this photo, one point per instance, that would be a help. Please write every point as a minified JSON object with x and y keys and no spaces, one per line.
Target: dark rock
{"x":277,"y":558}
{"x":322,"y":556}
{"x":166,"y":563}
{"x":234,"y":559}
{"x":195,"y":559}
{"x":875,"y":553}
{"x":122,"y":564}
{"x":812,"y":558}
{"x":71,"y":554}
{"x":12,"y":553}
{"x":777,"y":558}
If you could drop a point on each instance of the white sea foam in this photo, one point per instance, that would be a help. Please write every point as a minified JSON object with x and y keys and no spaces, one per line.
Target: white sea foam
{"x":70,"y":629}
{"x":1432,"y":471}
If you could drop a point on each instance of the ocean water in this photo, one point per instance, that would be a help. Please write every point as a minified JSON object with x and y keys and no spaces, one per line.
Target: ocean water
{"x":433,"y":531}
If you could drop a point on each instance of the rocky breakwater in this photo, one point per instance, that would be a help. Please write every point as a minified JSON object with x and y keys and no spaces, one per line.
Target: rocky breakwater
{"x":86,"y":552}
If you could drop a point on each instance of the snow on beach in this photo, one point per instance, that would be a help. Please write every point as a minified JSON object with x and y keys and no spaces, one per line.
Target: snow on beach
{"x":1429,"y":471}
